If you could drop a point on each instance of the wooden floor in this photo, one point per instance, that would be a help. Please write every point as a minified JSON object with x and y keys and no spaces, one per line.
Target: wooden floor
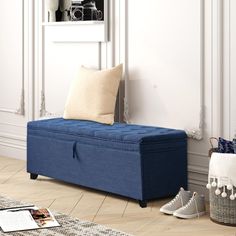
{"x":85,"y":204}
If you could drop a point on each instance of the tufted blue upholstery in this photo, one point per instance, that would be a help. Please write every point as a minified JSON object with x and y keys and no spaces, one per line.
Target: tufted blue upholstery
{"x":116,"y":132}
{"x":117,"y":135}
{"x":130,"y":160}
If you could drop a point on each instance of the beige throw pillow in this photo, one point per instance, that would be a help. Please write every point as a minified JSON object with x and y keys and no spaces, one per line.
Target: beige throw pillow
{"x":92,"y":95}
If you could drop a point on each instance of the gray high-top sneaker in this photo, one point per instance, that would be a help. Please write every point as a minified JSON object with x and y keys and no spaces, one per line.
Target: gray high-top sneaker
{"x":194,"y":208}
{"x":180,"y":200}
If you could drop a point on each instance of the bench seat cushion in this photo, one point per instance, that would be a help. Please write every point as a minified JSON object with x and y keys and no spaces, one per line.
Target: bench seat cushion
{"x":118,"y":136}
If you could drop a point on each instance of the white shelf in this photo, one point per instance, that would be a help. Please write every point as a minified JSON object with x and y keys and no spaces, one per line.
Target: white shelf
{"x":65,"y":23}
{"x":75,"y":31}
{"x":69,"y":32}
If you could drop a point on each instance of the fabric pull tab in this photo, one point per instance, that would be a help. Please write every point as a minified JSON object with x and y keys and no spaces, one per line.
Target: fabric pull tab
{"x":75,"y":154}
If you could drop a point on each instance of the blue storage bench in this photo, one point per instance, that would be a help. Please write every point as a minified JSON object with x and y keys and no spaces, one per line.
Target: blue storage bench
{"x":135,"y":161}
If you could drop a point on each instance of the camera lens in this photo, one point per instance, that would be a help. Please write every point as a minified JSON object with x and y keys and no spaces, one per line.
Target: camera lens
{"x":78,"y":14}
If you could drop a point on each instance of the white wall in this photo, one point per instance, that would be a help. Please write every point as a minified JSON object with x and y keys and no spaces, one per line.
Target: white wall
{"x":164,"y":70}
{"x":160,"y":46}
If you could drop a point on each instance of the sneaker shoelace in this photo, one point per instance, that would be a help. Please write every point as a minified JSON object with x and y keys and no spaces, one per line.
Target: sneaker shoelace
{"x":195,"y":203}
{"x":196,"y":208}
{"x":177,"y":197}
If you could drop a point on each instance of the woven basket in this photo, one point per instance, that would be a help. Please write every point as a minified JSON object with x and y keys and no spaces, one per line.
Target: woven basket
{"x":222,"y":210}
{"x":213,"y":148}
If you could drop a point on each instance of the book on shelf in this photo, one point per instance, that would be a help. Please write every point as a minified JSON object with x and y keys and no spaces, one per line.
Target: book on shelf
{"x":26,"y":218}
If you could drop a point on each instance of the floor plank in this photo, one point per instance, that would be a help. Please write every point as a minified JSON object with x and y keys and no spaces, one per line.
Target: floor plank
{"x":66,"y":204}
{"x":111,"y":210}
{"x":44,"y":203}
{"x":89,"y":205}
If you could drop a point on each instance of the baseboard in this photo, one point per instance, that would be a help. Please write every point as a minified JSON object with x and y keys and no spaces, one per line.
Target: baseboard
{"x":197,"y":180}
{"x":12,"y":151}
{"x":199,"y":189}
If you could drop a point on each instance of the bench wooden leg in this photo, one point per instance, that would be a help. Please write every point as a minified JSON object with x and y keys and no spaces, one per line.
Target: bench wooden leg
{"x":33,"y":176}
{"x":143,"y":204}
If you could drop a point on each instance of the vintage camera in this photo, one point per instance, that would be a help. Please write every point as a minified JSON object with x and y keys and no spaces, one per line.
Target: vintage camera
{"x":85,"y":10}
{"x":77,"y":11}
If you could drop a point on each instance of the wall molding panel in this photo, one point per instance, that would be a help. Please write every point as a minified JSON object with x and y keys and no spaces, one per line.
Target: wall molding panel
{"x":8,"y":110}
{"x":122,"y":55}
{"x":46,"y":45}
{"x":217,"y":68}
{"x":199,"y":161}
{"x":198,"y":133}
{"x":21,"y":110}
{"x":13,"y":121}
{"x":229,"y":73}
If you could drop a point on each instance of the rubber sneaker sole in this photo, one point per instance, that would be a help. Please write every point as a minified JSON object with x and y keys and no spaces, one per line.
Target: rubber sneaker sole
{"x":166,"y":211}
{"x":182,"y":216}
